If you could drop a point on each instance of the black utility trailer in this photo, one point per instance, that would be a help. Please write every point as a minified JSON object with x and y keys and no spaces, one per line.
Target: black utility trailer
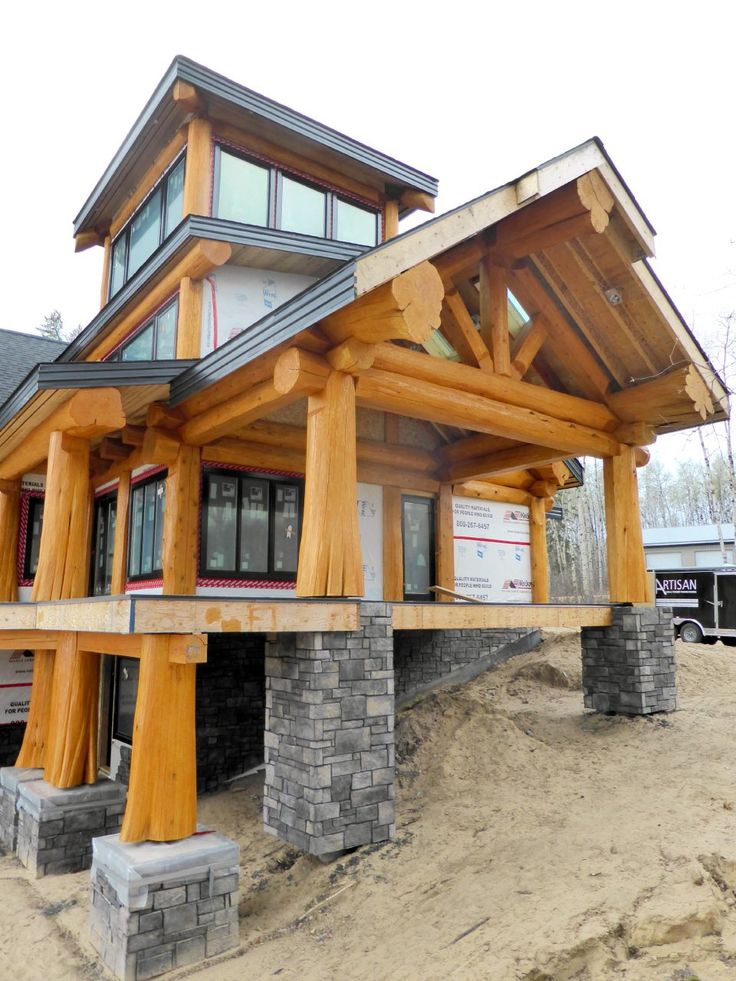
{"x":703,"y":602}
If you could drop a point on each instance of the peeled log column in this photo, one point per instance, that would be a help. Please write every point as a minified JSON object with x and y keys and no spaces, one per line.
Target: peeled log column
{"x":538,"y":549}
{"x":63,"y":569}
{"x":9,"y":522}
{"x":627,"y":576}
{"x":181,"y":523}
{"x":162,"y":791}
{"x":71,"y":747}
{"x":330,"y":562}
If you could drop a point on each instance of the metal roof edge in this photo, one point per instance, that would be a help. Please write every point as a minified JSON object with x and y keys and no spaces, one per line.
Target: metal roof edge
{"x":304,"y":310}
{"x":22,"y":393}
{"x":115,"y":374}
{"x":250,"y":101}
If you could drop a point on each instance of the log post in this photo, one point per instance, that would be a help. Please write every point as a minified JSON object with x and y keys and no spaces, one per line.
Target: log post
{"x":445,"y":552}
{"x":494,"y":314}
{"x":627,"y":577}
{"x":120,"y":545}
{"x":9,"y":524}
{"x":162,"y":792}
{"x":181,"y":523}
{"x":198,"y":173}
{"x":63,"y":571}
{"x":393,"y":551}
{"x":330,"y":562}
{"x":71,"y":746}
{"x":189,"y":319}
{"x":538,"y":549}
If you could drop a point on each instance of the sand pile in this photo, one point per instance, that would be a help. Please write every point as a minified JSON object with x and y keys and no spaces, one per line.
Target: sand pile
{"x":534,"y":841}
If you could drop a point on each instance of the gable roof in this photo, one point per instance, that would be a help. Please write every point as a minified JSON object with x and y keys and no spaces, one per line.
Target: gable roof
{"x":19,"y":353}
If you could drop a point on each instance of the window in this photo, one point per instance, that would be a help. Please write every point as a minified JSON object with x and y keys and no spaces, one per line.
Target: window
{"x":104,"y":541}
{"x":418,"y":541}
{"x":147,"y":502}
{"x":154,"y":341}
{"x":126,"y":692}
{"x":256,"y":194}
{"x":33,"y":536}
{"x":156,"y":218}
{"x":250,"y":526}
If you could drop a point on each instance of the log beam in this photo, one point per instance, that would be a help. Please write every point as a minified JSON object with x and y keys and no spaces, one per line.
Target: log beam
{"x":162,"y":792}
{"x":664,"y":399}
{"x":391,"y":392}
{"x":297,"y":374}
{"x":527,"y":345}
{"x":330,"y":562}
{"x":406,"y":308}
{"x":503,"y":461}
{"x":88,"y":413}
{"x":486,"y":491}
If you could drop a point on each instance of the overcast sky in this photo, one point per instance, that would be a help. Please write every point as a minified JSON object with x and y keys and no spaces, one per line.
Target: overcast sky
{"x":473,"y":93}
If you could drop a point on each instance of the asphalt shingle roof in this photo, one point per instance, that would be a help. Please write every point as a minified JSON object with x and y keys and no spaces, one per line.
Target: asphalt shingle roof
{"x":19,"y":353}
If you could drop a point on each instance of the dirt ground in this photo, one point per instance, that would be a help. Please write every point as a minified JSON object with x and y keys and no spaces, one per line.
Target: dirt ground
{"x":535,"y":841}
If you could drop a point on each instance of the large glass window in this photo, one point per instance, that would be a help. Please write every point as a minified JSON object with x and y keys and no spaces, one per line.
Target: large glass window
{"x":147,"y":503}
{"x":33,"y":536}
{"x":156,"y":218}
{"x":303,"y":208}
{"x":418,"y":542}
{"x":354,"y":224}
{"x":250,"y":526}
{"x":104,"y":542}
{"x":154,"y":341}
{"x":257,"y":194}
{"x":242,"y":190}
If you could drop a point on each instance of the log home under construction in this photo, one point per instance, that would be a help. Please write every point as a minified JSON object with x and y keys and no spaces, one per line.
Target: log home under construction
{"x":288,"y":437}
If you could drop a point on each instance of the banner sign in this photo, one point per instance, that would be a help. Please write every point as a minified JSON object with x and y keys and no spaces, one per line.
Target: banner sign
{"x":492,"y":556}
{"x":16,"y":674}
{"x":370,"y":522}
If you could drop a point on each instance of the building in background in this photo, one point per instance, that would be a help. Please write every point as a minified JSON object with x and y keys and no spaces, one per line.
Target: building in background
{"x":684,"y":548}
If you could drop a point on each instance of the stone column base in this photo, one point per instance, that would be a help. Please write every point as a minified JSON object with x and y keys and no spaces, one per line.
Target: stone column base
{"x":629,"y":667}
{"x":159,"y":906}
{"x":56,"y":827}
{"x":11,"y":777}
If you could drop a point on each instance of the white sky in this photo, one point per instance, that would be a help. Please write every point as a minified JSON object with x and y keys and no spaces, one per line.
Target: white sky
{"x":474,"y":93}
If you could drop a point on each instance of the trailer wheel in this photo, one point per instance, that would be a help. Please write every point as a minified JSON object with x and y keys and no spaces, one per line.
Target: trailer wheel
{"x":691,"y":633}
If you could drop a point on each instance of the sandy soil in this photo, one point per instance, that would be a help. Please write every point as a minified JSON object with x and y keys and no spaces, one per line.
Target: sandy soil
{"x":535,"y":841}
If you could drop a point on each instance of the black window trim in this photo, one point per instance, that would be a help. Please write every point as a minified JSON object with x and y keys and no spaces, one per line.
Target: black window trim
{"x":276,"y":173}
{"x":249,"y":575}
{"x":139,"y":485}
{"x":419,"y":499}
{"x":117,"y":734}
{"x":35,"y":501}
{"x":160,"y":185}
{"x":108,"y":498}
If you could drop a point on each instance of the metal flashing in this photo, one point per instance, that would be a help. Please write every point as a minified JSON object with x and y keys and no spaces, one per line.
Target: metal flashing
{"x":159,"y":112}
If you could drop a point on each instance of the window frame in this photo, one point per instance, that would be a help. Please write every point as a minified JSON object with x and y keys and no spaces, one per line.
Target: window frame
{"x":117,"y":733}
{"x":107,"y":500}
{"x":161,"y":185}
{"x":276,"y":174}
{"x":117,"y":354}
{"x":240,"y":474}
{"x":430,"y":501}
{"x":160,"y":476}
{"x":35,"y":502}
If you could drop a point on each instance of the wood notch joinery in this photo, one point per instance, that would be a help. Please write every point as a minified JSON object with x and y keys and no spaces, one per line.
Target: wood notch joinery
{"x":406,"y":308}
{"x":330,"y":562}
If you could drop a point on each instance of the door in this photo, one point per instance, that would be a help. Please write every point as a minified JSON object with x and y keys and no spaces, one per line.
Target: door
{"x":103,"y":544}
{"x":726,"y":609}
{"x":417,"y":526}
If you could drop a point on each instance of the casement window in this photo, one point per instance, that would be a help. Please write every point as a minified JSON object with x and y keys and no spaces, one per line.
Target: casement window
{"x":417,"y":527}
{"x":103,"y":544}
{"x":125,"y":692}
{"x":255,"y":193}
{"x":156,"y":218}
{"x":33,"y":537}
{"x":154,"y":341}
{"x":147,"y":503}
{"x":250,"y":526}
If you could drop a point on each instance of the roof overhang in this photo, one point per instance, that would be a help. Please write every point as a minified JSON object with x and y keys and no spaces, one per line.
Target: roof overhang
{"x":224,"y":99}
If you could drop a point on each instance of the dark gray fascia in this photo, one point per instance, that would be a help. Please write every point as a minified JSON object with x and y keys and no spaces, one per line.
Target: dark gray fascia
{"x":302,"y":311}
{"x":249,"y":101}
{"x":215,"y":229}
{"x":89,"y":374}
